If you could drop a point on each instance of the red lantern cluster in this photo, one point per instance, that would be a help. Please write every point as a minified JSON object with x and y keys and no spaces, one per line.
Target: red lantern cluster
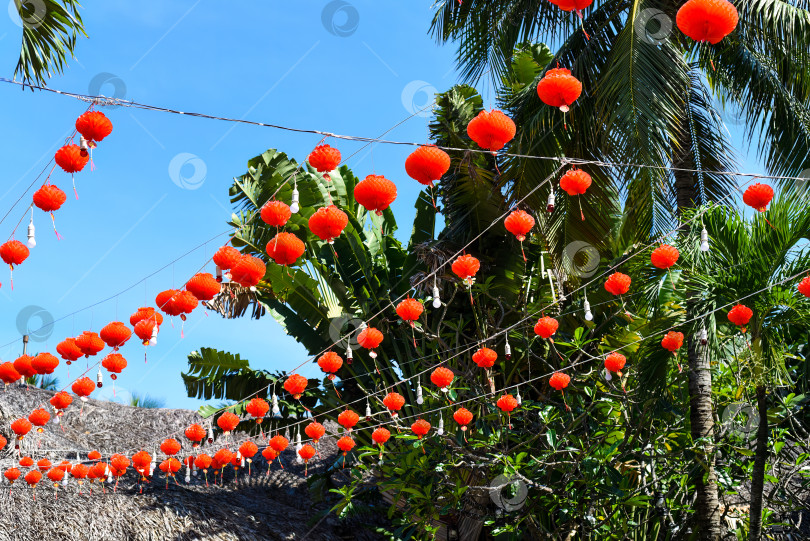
{"x":115,"y":334}
{"x":276,"y":213}
{"x":248,"y":271}
{"x":203,"y":286}
{"x":94,"y":126}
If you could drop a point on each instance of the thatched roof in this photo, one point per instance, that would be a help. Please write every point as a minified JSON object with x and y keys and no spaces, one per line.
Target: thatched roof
{"x":272,"y":504}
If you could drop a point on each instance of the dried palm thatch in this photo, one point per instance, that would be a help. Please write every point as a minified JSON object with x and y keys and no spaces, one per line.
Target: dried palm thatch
{"x":233,"y":301}
{"x":271,"y":503}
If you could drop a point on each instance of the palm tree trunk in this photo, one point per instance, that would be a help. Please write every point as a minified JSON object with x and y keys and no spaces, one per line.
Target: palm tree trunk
{"x":760,"y":461}
{"x":707,"y":505}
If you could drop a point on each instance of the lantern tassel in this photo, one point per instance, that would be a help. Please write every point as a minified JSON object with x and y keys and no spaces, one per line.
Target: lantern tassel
{"x":581,"y":214}
{"x":582,"y":24}
{"x":73,"y":179}
{"x":53,"y":220}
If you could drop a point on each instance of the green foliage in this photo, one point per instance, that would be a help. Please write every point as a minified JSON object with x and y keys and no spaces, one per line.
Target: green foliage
{"x":49,"y":34}
{"x":145,"y":400}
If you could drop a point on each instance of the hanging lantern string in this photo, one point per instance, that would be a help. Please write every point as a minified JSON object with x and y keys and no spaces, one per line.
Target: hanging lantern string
{"x":537,"y":378}
{"x":105,"y":101}
{"x":503,"y":331}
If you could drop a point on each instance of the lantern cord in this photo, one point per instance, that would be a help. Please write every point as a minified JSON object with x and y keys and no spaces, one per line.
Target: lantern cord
{"x":105,"y":101}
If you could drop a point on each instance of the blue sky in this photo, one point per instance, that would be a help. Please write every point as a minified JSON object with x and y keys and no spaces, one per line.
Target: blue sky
{"x":160,"y":184}
{"x":357,"y":70}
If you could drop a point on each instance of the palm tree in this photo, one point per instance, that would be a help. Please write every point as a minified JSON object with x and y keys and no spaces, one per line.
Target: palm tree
{"x":50,"y":29}
{"x":648,"y":100}
{"x":771,"y":247}
{"x":145,"y":400}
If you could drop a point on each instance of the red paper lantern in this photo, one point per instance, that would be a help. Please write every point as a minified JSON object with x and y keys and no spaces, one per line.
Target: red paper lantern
{"x":13,"y":252}
{"x":60,"y":401}
{"x":21,"y":427}
{"x":248,"y":449}
{"x":315,"y":431}
{"x":33,"y":477}
{"x":615,"y":362}
{"x":79,"y":472}
{"x":170,"y":466}
{"x":44,"y":363}
{"x":442,"y":378}
{"x":664,"y":256}
{"x":507,"y":403}
{"x":8,"y":374}
{"x":519,"y":223}
{"x":56,"y":475}
{"x":296,"y":384}
{"x":559,"y":380}
{"x":248,"y":271}
{"x":144,"y":330}
{"x":672,"y":341}
{"x":410,"y":310}
{"x":115,"y":334}
{"x":347,"y":419}
{"x":93,"y":455}
{"x":324,"y":159}
{"x":170,"y":447}
{"x":803,"y":287}
{"x":258,"y":408}
{"x":463,"y":417}
{"x":375,"y":193}
{"x":276,"y":213}
{"x":740,"y":315}
{"x":141,"y":462}
{"x":49,"y":198}
{"x":756,"y":196}
{"x":24,"y":367}
{"x":203,"y":286}
{"x":575,"y":182}
{"x":617,"y":284}
{"x":465,"y":267}
{"x":707,"y":20}
{"x":114,"y":363}
{"x":227,"y":422}
{"x":546,"y":327}
{"x":83,"y":387}
{"x":146,"y":312}
{"x":558,"y":88}
{"x":203,"y":462}
{"x":345,"y":444}
{"x":328,"y":223}
{"x":185,"y":302}
{"x":380,"y":436}
{"x":226,"y":257}
{"x":370,"y":338}
{"x":167,"y":301}
{"x":195,"y":434}
{"x":94,"y":126}
{"x":278,"y":443}
{"x":285,"y":248}
{"x":39,"y":418}
{"x":572,"y":5}
{"x":485,"y":357}
{"x":12,"y":474}
{"x":330,"y":362}
{"x":394,"y":402}
{"x":420,"y":427}
{"x":70,"y":158}
{"x":427,"y":164}
{"x":89,"y":343}
{"x":491,"y":130}
{"x":68,"y":350}
{"x":306,"y":452}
